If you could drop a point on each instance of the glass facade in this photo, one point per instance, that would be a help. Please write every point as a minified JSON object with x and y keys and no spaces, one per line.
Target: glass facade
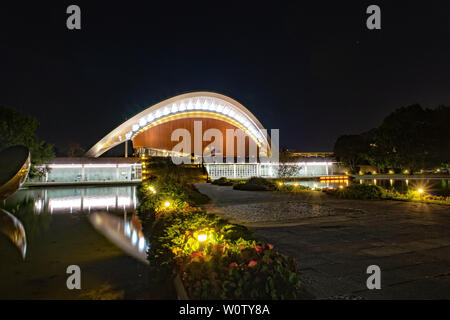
{"x":268,"y":170}
{"x":79,"y":173}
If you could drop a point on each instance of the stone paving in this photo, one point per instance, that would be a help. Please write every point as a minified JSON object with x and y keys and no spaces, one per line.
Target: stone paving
{"x":409,"y":241}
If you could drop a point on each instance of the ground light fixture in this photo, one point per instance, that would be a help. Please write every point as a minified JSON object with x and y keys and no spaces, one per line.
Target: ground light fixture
{"x":167,"y":204}
{"x":152,"y":189}
{"x":420,"y":190}
{"x":202,"y":237}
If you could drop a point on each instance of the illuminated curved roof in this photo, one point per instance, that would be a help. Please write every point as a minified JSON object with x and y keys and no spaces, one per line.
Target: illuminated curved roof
{"x":206,"y":104}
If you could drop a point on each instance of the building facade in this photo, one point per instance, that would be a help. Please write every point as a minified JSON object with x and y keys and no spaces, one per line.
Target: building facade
{"x":91,"y":170}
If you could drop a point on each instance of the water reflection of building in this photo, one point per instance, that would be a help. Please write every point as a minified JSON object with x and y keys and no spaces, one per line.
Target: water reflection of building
{"x":84,"y":199}
{"x":125,"y":233}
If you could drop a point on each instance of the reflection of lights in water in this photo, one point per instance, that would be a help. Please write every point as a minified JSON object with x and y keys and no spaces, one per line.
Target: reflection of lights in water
{"x":65,"y":203}
{"x":126,"y":235}
{"x":38,"y":205}
{"x":134,"y":238}
{"x":391,"y":182}
{"x":127,"y":229}
{"x":141,"y":243}
{"x":78,"y":203}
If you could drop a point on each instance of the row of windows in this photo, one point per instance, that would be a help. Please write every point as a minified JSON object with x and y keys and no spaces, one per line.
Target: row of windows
{"x":241,"y":171}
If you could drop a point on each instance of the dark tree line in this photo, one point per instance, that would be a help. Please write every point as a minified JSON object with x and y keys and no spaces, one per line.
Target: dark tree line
{"x":410,"y":138}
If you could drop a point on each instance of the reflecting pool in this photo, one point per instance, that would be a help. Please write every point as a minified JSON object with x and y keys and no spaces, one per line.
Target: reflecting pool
{"x":95,"y":228}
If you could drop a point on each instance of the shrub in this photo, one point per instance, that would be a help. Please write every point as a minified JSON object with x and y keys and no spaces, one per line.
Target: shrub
{"x":229,"y":264}
{"x":292,"y":188}
{"x":256,"y":184}
{"x":359,"y":191}
{"x":246,"y":271}
{"x":223,"y":182}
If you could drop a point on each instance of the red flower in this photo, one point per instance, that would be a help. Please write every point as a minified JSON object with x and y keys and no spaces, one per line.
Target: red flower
{"x":257,"y":248}
{"x":233,"y":264}
{"x":252,"y":263}
{"x":197,"y":254}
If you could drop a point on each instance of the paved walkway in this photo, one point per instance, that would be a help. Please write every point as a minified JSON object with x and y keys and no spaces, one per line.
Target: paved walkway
{"x":409,"y":241}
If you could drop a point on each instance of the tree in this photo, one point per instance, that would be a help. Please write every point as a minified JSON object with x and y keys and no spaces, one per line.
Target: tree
{"x":409,"y":138}
{"x":19,"y":129}
{"x":285,"y":168}
{"x":351,"y":150}
{"x":74,"y":149}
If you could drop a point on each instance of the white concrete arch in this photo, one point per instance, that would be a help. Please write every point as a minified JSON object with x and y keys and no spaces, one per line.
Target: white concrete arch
{"x":211,"y":104}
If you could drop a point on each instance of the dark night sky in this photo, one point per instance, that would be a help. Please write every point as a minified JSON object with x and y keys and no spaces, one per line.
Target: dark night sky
{"x":312,"y":70}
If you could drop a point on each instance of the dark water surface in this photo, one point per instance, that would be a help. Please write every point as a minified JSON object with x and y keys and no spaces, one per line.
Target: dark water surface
{"x":59,"y":234}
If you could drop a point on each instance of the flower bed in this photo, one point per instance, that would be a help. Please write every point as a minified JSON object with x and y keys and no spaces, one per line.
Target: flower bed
{"x":215,"y":259}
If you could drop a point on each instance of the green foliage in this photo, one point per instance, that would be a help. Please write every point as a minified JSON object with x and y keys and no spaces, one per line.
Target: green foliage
{"x":285,"y":169}
{"x":359,"y":191}
{"x":351,"y":150}
{"x":223,"y":182}
{"x":292,"y":188}
{"x":256,"y":184}
{"x":370,"y":192}
{"x":19,"y":129}
{"x":228,"y":264}
{"x":410,"y":138}
{"x":245,"y":271}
